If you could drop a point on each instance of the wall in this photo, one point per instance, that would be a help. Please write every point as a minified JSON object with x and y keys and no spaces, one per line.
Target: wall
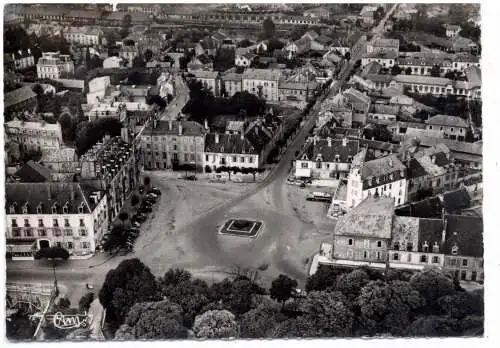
{"x":362,"y":248}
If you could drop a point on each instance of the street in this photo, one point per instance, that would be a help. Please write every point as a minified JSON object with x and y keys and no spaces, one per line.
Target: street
{"x":180,"y":99}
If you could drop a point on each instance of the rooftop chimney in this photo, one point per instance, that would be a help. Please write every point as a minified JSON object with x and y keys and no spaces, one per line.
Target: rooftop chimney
{"x":72,"y":193}
{"x":155,"y":123}
{"x":445,"y":225}
{"x":391,"y":164}
{"x":180,"y":128}
{"x":206,"y":124}
{"x":242,"y":135}
{"x":344,"y":141}
{"x":49,"y":193}
{"x":329,"y":141}
{"x":433,"y":159}
{"x":216,"y":138}
{"x":170,"y":125}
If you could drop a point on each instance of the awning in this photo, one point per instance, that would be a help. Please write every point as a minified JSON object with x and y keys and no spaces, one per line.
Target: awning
{"x":303,"y":172}
{"x":20,"y":246}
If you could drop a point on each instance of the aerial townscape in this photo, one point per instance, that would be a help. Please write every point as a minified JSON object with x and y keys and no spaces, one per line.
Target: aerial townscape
{"x":203,"y":171}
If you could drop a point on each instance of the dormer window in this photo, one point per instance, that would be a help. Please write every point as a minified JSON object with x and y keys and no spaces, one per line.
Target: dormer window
{"x":80,"y":209}
{"x":349,"y":159}
{"x":391,"y":177}
{"x":435,"y":248}
{"x":39,"y":209}
{"x":65,"y":209}
{"x":54,"y":209}
{"x":378,"y":180}
{"x":454,"y":250}
{"x":396,"y":246}
{"x":425,"y":247}
{"x":337,"y":158}
{"x":12,"y":209}
{"x":409,"y":246}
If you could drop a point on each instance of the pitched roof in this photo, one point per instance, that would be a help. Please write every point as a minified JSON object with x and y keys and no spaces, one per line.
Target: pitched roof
{"x":382,"y":167}
{"x":356,"y":96}
{"x":447,"y":120}
{"x":371,"y":218}
{"x":34,"y":172}
{"x":203,"y":74}
{"x":262,"y":74}
{"x":190,"y":128}
{"x":228,"y":143}
{"x":18,"y":95}
{"x":328,"y":149}
{"x":48,"y":194}
{"x":404,"y":229}
{"x":466,"y":233}
{"x":456,"y":200}
{"x":453,"y":145}
{"x":392,"y":43}
{"x":381,"y":55}
{"x":430,"y":231}
{"x":425,"y":80}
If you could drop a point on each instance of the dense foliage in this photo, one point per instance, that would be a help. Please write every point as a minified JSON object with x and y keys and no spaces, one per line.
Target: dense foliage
{"x":339,"y":303}
{"x":94,"y":131}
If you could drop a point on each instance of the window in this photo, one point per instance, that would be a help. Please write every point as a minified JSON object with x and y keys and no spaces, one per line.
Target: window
{"x":234,"y":159}
{"x":463,"y":275}
{"x":378,"y":255}
{"x":453,"y":262}
{"x":42,"y":232}
{"x":14,"y":223}
{"x":84,"y":245}
{"x":395,"y":256}
{"x":83,"y":232}
{"x":350,"y":241}
{"x":366,"y":243}
{"x":365,"y":254}
{"x":82,"y":223}
{"x":40,"y":222}
{"x":409,"y":246}
{"x":57,"y":232}
{"x":242,"y":159}
{"x":409,"y":257}
{"x":318,"y":165}
{"x":396,"y":246}
{"x":26,"y":223}
{"x":66,"y":222}
{"x":80,"y":209}
{"x":435,"y":259}
{"x":465,"y":262}
{"x":250,"y":159}
{"x":379,"y":244}
{"x":54,"y":209}
{"x":423,"y":258}
{"x":454,"y":250}
{"x":68,"y":232}
{"x":304,"y":165}
{"x":206,"y":158}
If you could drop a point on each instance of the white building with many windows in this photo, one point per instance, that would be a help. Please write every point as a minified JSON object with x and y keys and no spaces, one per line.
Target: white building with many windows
{"x":83,"y":35}
{"x":69,"y":215}
{"x":262,"y":82}
{"x":54,"y":65}
{"x":39,"y":135}
{"x":385,"y":176}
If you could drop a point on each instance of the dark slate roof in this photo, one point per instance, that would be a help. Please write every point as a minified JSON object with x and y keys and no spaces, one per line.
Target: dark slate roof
{"x":456,"y":200}
{"x":204,"y":59}
{"x":257,"y":137}
{"x":18,"y":95}
{"x":229,"y":143}
{"x":60,"y":192}
{"x":34,"y":172}
{"x":430,"y":231}
{"x":208,"y":43}
{"x":328,"y":153}
{"x":378,"y":145}
{"x":415,"y":169}
{"x":465,"y":232}
{"x":163,"y":127}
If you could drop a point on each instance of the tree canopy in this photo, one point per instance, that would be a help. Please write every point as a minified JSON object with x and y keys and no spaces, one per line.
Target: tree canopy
{"x":216,"y":324}
{"x":131,"y":282}
{"x":94,"y":131}
{"x":268,"y":28}
{"x":281,"y":288}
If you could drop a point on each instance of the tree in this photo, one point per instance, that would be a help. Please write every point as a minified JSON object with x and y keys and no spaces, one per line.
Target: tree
{"x":38,"y":89}
{"x":242,"y":295}
{"x":329,"y":313}
{"x":85,"y":302}
{"x":281,"y":289}
{"x":261,"y":321}
{"x":298,"y":327}
{"x":159,"y":101}
{"x":138,"y":62}
{"x":324,"y":277}
{"x":244,"y":43}
{"x":126,"y":24}
{"x":191,"y":295}
{"x":268,"y":28}
{"x":216,"y":324}
{"x":153,"y":320}
{"x":131,"y":282}
{"x":123,"y":216}
{"x":53,"y":253}
{"x":434,"y":326}
{"x":116,"y":239}
{"x":148,"y":55}
{"x":435,"y":71}
{"x":388,"y":307}
{"x":432,"y":284}
{"x":350,"y":284}
{"x":94,"y":131}
{"x":396,"y":70}
{"x":67,"y":127}
{"x":462,"y":304}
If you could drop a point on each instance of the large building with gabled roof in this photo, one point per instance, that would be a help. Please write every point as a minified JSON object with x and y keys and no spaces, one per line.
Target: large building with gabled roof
{"x":70,"y":215}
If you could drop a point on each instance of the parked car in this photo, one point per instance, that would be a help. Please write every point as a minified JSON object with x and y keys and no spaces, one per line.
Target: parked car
{"x":302,"y":185}
{"x":136,"y":224}
{"x":141,"y":189}
{"x":139,"y":218}
{"x":152,"y":195}
{"x":146,"y":209}
{"x":155,"y":190}
{"x":191,"y":177}
{"x":150,"y":200}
